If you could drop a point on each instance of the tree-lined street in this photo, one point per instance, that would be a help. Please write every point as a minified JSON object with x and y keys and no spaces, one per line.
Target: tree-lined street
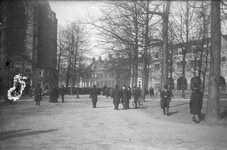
{"x":76,"y":125}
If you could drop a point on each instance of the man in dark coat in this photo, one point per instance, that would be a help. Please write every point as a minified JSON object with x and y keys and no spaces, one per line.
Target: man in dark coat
{"x":94,"y":96}
{"x":151,"y":91}
{"x":124,"y":96}
{"x":129,"y":97}
{"x":165,"y":99}
{"x":136,"y":95}
{"x":38,"y":94}
{"x":116,"y":94}
{"x":196,"y":104}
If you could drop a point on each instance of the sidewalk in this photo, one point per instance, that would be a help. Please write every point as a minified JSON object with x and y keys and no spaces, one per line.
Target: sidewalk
{"x":75,"y":125}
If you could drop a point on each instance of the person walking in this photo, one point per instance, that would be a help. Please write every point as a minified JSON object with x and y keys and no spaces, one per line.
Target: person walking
{"x":94,"y":96}
{"x":124,"y":97}
{"x":129,"y":97}
{"x":136,"y":95}
{"x":62,"y":93}
{"x":165,"y":99}
{"x":38,"y":94}
{"x":116,"y":95}
{"x":195,"y":104}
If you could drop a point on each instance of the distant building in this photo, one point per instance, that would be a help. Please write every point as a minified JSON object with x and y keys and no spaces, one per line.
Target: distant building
{"x":109,"y":72}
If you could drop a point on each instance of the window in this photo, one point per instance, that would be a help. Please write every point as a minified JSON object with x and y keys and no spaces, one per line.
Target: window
{"x":223,"y":58}
{"x":28,"y":68}
{"x":40,"y":72}
{"x":18,"y":67}
{"x":157,"y":66}
{"x":156,"y":55}
{"x":101,"y":75}
{"x":192,"y":63}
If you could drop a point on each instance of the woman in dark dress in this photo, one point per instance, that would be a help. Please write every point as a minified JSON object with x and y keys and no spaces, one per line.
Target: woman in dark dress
{"x":195,"y":104}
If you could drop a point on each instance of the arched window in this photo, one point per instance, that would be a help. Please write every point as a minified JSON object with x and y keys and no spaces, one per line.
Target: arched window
{"x":181,"y":83}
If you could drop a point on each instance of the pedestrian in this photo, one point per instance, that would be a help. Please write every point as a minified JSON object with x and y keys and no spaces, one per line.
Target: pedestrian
{"x":30,"y":92}
{"x":129,"y":97}
{"x":195,"y":104}
{"x":151,"y":91}
{"x":62,"y":93}
{"x":94,"y":96}
{"x":51,"y":97}
{"x":124,"y":96}
{"x":136,"y":95}
{"x":116,"y":95}
{"x":165,"y":99}
{"x":38,"y":94}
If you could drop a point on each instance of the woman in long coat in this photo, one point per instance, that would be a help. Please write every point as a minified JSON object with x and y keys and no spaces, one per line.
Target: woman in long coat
{"x":94,"y":96}
{"x":165,"y":99}
{"x":116,"y":97}
{"x":124,"y":97}
{"x":195,"y":104}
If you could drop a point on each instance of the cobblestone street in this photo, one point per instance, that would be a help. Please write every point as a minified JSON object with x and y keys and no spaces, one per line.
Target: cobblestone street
{"x":75,"y":125}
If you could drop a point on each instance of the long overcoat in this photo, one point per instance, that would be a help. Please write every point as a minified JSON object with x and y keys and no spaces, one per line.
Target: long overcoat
{"x":124,"y":96}
{"x":117,"y":94}
{"x":94,"y":94}
{"x":165,"y":98}
{"x":196,"y":102}
{"x":136,"y":94}
{"x":38,"y":94}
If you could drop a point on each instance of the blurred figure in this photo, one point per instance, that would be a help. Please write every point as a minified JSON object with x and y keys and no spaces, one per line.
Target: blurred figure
{"x":124,"y":96}
{"x":151,"y":91}
{"x":38,"y":94}
{"x":116,"y":97}
{"x":94,"y":96}
{"x":165,"y":99}
{"x":30,"y":92}
{"x":62,"y":93}
{"x":129,"y":97}
{"x":195,"y":104}
{"x":137,"y":95}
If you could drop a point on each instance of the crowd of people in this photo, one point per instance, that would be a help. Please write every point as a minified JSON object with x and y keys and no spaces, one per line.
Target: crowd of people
{"x":123,"y":95}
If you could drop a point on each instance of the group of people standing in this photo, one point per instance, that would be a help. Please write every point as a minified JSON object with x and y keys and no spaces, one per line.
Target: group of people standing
{"x":122,"y":96}
{"x":54,"y":94}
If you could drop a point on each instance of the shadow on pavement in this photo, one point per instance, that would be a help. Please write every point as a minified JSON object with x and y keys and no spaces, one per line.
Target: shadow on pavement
{"x":15,"y":134}
{"x":179,"y":105}
{"x":172,"y":113}
{"x":103,"y":106}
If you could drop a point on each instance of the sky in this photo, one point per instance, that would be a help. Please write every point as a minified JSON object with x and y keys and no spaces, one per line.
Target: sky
{"x":68,"y":11}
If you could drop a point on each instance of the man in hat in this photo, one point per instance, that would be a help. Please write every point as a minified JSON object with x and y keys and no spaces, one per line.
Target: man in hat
{"x":165,"y":99}
{"x":116,"y":94}
{"x":94,"y":96}
{"x":195,"y":104}
{"x":136,"y":95}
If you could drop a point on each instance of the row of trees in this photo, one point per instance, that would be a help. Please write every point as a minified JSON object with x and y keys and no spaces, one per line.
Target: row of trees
{"x":137,"y":29}
{"x":134,"y":28}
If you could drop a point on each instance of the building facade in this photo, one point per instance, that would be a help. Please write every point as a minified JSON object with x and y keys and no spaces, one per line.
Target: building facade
{"x":108,"y":73}
{"x":29,"y":41}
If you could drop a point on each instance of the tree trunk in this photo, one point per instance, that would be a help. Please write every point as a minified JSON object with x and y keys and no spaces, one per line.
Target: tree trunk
{"x":212,"y":111}
{"x":165,"y":45}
